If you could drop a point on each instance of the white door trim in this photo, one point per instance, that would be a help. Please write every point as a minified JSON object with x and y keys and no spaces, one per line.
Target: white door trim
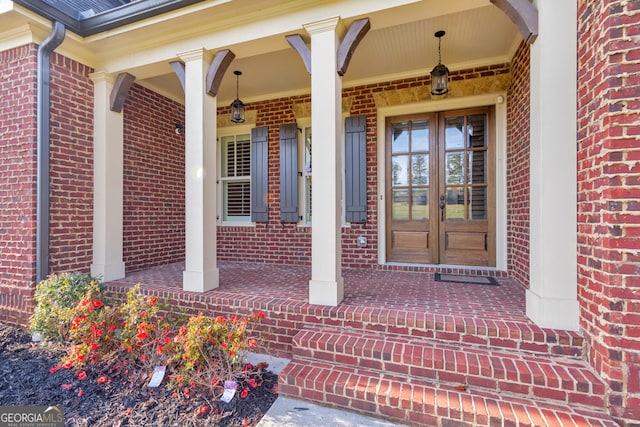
{"x":496,"y":99}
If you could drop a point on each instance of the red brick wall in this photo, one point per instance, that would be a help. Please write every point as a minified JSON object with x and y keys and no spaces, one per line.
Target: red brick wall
{"x":154,"y":177}
{"x":289,"y":243}
{"x":71,"y":192}
{"x":154,"y":183}
{"x":273,"y":242}
{"x":17,"y":175}
{"x":71,"y":195}
{"x":518,"y":141}
{"x":608,"y":196}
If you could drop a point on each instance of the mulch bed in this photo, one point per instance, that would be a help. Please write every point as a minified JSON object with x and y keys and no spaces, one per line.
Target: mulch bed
{"x":122,"y":401}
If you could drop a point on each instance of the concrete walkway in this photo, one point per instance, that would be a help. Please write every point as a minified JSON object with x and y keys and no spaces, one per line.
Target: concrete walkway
{"x":287,"y":412}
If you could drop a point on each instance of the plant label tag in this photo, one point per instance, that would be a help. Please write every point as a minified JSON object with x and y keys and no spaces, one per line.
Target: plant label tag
{"x":158,"y":375}
{"x":229,"y":391}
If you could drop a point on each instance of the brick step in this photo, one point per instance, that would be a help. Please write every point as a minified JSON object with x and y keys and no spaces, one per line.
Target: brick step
{"x":424,"y":403}
{"x":554,"y":378}
{"x":512,"y":335}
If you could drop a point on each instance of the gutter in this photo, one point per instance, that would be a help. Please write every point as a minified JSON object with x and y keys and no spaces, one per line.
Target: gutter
{"x":43,"y":145}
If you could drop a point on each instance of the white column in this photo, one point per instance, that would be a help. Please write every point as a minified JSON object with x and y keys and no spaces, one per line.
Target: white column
{"x":201,"y":271}
{"x":108,"y":172}
{"x":326,"y":285}
{"x":552,"y":296}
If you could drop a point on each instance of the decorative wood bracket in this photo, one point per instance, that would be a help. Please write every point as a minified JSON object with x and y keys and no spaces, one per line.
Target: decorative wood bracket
{"x":357,"y":30}
{"x":178,"y":68}
{"x":523,"y":14}
{"x":120,"y":91}
{"x":296,"y":42}
{"x":217,"y":69}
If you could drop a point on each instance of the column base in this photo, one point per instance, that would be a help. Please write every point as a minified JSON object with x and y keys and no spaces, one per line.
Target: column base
{"x":200,"y":281}
{"x":326,"y":292}
{"x":108,"y":272}
{"x":553,"y":313}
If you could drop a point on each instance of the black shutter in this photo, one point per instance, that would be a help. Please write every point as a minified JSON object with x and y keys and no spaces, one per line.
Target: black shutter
{"x":355,"y":145}
{"x":259,"y":174}
{"x":289,"y":173}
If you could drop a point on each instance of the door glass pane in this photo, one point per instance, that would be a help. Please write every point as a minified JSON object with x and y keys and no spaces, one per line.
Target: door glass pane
{"x":455,"y":203}
{"x":400,"y":204}
{"x":420,"y":203}
{"x":400,"y":170}
{"x":420,"y":169}
{"x":478,"y":203}
{"x":454,"y":163}
{"x":477,"y":173}
{"x":476,"y":129}
{"x":420,"y":136}
{"x":454,"y":133}
{"x":400,"y":137}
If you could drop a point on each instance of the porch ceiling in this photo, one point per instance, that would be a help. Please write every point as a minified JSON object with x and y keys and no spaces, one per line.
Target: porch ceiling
{"x":401,"y":41}
{"x":475,"y":37}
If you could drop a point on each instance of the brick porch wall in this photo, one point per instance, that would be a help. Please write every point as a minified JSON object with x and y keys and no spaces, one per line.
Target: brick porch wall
{"x":289,"y":243}
{"x":71,"y":195}
{"x":154,"y":183}
{"x":154,"y":177}
{"x":608,"y":194}
{"x":273,"y":242}
{"x":518,"y":140}
{"x":18,"y":189}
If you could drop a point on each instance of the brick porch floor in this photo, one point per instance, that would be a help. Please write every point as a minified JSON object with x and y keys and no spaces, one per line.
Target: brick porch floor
{"x":401,"y":345}
{"x":372,"y":289}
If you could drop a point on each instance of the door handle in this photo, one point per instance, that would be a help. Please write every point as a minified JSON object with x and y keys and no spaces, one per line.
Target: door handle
{"x":442,"y":204}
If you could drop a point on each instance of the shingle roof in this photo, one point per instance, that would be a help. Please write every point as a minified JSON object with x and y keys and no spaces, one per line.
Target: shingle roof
{"x":87,"y":17}
{"x":88,"y":7}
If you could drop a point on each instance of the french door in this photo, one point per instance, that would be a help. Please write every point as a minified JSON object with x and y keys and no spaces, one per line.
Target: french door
{"x":440,"y":195}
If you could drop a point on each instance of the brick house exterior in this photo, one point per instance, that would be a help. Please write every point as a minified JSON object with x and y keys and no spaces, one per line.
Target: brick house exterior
{"x":608,"y":129}
{"x":154,"y":188}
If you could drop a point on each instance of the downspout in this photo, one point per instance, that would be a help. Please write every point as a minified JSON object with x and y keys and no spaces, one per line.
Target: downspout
{"x":43,"y":144}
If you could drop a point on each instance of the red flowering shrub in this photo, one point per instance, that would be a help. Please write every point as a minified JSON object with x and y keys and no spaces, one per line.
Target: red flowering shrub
{"x":210,"y":351}
{"x":92,"y":333}
{"x":201,"y":355}
{"x":146,"y":338}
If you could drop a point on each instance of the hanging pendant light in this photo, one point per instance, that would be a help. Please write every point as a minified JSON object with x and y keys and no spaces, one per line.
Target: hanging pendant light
{"x":237,"y":106}
{"x":440,"y":73}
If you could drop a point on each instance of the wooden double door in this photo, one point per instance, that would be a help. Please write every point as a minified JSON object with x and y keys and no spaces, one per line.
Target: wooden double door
{"x":440,"y":188}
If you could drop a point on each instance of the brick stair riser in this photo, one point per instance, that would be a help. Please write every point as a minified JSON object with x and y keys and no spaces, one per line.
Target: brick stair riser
{"x":493,"y":334}
{"x":563,"y":381}
{"x":420,"y":403}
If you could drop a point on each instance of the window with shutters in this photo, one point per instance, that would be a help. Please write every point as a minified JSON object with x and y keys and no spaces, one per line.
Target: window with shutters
{"x":305,"y":175}
{"x":235,"y":178}
{"x":353,"y":178}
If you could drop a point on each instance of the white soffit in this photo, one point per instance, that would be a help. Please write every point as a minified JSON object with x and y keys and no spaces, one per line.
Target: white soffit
{"x":401,"y":41}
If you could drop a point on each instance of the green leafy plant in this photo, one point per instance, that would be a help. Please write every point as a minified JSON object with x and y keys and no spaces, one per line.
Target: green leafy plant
{"x":57,"y":298}
{"x":210,"y":352}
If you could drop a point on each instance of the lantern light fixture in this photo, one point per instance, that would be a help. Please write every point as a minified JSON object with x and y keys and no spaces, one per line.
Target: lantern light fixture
{"x":440,"y":73}
{"x":237,"y":106}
